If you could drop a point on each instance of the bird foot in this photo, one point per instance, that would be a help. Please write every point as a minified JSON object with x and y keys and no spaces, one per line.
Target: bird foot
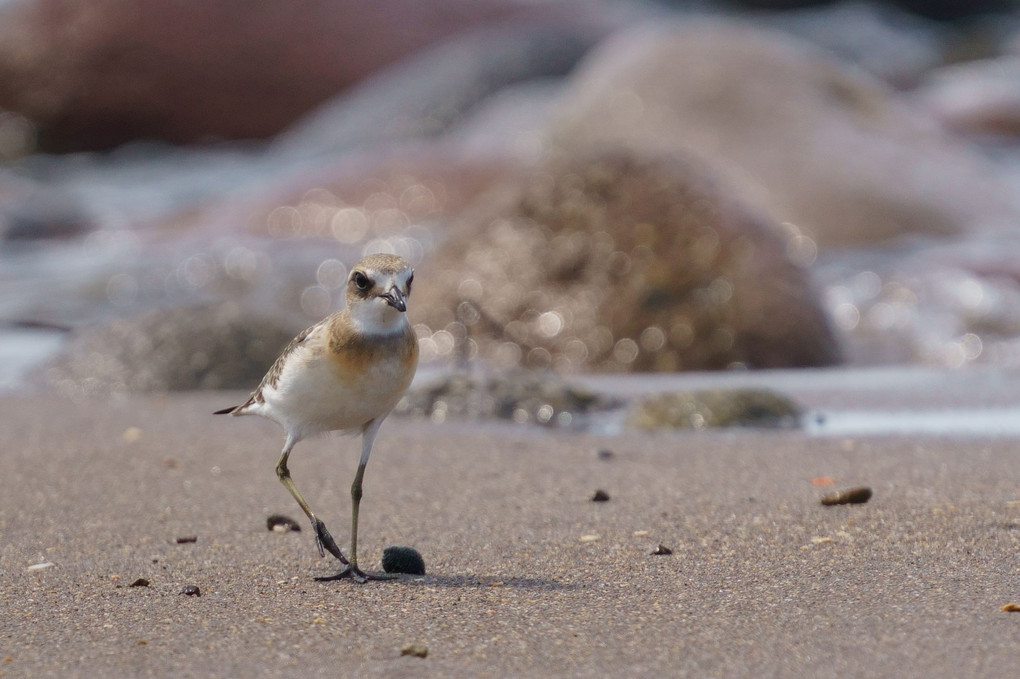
{"x":356,"y":574}
{"x":325,"y":542}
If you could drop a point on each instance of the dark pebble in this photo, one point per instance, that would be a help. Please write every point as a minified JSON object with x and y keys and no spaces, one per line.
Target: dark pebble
{"x":140,"y":582}
{"x":851,"y":496}
{"x":282,"y":524}
{"x":605,"y":454}
{"x":403,"y":560}
{"x":600,"y":496}
{"x":662,"y":550}
{"x":191,"y":590}
{"x":417,"y":650}
{"x":186,"y":539}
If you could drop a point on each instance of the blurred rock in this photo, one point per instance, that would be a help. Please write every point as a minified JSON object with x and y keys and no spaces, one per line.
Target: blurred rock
{"x":93,"y":74}
{"x":816,"y":143}
{"x":200,"y":347}
{"x":525,"y":397}
{"x":980,"y":97}
{"x":17,"y":136}
{"x":363,"y":196}
{"x":620,"y":261}
{"x":888,"y":43}
{"x":949,"y":10}
{"x":429,"y":92}
{"x":43,"y":215}
{"x":935,"y":9}
{"x":711,"y":408}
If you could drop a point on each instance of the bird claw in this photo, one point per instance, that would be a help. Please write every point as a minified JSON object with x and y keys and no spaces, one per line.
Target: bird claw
{"x":356,"y":574}
{"x":324,"y":541}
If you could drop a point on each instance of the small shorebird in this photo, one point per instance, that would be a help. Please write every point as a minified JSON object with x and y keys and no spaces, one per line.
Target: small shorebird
{"x":345,"y":373}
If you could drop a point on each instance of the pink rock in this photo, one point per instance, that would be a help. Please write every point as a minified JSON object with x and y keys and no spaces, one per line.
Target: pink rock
{"x":95,"y":73}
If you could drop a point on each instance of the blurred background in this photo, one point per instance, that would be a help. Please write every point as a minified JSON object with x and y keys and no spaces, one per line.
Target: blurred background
{"x":584,"y":186}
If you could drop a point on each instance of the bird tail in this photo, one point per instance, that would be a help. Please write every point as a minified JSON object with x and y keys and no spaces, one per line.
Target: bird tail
{"x":237,"y":410}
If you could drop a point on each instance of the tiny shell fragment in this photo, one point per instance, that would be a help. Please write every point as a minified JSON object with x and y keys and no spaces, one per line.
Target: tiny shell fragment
{"x":851,"y":496}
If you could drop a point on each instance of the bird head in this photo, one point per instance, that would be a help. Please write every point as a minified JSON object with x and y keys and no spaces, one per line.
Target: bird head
{"x":377,"y":290}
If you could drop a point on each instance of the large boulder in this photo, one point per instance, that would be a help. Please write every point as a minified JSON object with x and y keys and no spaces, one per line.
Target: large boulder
{"x":96,"y":73}
{"x":815,"y":142}
{"x":183,"y":348}
{"x":979,"y":97}
{"x":616,"y":261}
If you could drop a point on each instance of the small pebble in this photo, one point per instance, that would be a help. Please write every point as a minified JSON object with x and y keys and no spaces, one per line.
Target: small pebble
{"x":191,"y":590}
{"x":600,"y":496}
{"x":605,"y":454}
{"x":186,"y":539}
{"x":1011,"y":608}
{"x":140,"y":582}
{"x":279,"y":523}
{"x":851,"y":496}
{"x":403,"y":560}
{"x":417,"y":650}
{"x":661,"y":550}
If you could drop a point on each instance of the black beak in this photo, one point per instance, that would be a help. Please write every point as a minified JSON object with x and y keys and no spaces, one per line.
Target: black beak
{"x":396,"y":299}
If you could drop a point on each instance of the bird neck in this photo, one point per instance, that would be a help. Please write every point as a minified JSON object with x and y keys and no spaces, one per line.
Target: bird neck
{"x":376,"y":317}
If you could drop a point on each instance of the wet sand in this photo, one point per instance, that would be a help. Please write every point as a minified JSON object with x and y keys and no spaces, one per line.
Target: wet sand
{"x":526,"y":575}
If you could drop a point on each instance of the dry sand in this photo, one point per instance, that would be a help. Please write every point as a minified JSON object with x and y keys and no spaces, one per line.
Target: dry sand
{"x":527,"y":576}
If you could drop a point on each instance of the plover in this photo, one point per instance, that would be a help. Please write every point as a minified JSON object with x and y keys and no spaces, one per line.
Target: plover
{"x":345,"y":374}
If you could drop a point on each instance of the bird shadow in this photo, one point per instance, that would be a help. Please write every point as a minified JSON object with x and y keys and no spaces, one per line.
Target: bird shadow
{"x":480,"y":581}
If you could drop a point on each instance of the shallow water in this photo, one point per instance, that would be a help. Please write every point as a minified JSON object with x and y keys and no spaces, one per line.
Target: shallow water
{"x":850,"y":402}
{"x":965,"y":422}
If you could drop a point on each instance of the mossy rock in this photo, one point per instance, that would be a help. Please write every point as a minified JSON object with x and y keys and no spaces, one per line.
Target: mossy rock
{"x":526,"y":397}
{"x":711,"y":408}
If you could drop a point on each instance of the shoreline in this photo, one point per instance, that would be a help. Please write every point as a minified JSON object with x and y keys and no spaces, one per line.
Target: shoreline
{"x":526,"y":575}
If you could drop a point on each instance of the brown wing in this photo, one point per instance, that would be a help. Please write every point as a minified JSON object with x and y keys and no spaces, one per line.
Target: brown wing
{"x":272,"y":378}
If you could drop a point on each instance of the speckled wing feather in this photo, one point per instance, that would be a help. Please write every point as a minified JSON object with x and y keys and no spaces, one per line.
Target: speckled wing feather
{"x":272,"y":378}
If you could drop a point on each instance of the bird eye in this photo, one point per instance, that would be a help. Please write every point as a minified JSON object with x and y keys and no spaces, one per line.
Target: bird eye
{"x":409,"y":281}
{"x":361,"y":281}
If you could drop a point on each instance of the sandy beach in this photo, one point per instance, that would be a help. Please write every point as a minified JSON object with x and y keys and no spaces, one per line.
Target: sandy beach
{"x":526,"y":575}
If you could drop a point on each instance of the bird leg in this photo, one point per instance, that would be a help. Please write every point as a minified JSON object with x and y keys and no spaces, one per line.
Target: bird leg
{"x":351,"y":570}
{"x":322,"y":537}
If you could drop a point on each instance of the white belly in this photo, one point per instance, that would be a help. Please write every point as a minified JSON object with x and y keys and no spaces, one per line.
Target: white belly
{"x":310,"y":398}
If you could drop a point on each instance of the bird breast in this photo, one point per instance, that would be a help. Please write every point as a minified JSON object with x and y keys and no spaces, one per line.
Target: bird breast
{"x":341,"y":386}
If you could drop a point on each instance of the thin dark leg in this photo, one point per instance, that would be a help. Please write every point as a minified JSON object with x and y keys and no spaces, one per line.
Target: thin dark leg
{"x":322,"y":537}
{"x":352,"y":571}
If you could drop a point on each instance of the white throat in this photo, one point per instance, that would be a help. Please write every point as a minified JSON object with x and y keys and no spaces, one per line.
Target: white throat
{"x":376,"y":317}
